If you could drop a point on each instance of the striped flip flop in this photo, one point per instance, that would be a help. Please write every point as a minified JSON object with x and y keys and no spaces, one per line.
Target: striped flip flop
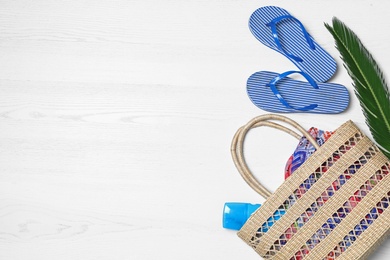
{"x":278,"y":93}
{"x":277,"y":29}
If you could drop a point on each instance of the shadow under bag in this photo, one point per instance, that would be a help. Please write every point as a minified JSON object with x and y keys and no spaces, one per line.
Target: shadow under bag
{"x":335,"y":205}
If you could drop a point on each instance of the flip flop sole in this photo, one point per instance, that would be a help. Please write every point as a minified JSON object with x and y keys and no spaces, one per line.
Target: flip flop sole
{"x":331,"y":98}
{"x":317,"y":63}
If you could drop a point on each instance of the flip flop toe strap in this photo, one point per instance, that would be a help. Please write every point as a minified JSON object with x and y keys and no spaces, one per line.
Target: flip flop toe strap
{"x":274,"y":30}
{"x":274,"y":81}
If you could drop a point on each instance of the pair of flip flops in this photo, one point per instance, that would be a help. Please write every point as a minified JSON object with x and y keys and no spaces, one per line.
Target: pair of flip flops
{"x":276,"y":28}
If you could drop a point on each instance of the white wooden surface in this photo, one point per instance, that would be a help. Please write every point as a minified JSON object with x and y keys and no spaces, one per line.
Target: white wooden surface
{"x":116,"y":119}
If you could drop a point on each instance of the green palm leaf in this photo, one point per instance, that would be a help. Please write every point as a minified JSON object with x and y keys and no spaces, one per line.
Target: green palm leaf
{"x":368,"y":81}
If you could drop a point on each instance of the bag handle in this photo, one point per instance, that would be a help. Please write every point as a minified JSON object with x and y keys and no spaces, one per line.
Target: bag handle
{"x":237,"y":146}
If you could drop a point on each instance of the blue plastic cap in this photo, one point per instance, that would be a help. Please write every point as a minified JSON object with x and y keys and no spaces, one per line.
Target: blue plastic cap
{"x":235,"y":214}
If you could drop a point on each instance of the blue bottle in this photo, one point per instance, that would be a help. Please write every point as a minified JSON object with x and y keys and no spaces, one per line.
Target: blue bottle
{"x":235,"y":214}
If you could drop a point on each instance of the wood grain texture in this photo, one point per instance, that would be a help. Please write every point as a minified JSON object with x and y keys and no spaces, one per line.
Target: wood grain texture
{"x":116,"y":119}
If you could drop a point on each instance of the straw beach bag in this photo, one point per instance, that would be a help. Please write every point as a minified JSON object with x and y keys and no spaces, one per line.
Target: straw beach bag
{"x":335,"y":205}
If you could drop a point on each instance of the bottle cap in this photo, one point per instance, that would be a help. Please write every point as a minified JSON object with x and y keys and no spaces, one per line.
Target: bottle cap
{"x":235,"y":214}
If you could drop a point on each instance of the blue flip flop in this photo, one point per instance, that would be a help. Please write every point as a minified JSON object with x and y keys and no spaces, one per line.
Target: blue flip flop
{"x":276,"y":28}
{"x":278,"y":93}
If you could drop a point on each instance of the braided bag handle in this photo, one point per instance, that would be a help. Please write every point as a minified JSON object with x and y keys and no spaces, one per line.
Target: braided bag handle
{"x":237,"y":146}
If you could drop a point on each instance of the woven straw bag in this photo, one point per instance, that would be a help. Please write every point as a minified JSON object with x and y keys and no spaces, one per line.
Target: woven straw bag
{"x":335,"y":205}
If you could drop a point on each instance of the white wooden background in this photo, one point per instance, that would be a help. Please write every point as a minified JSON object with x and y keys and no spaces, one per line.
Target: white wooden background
{"x":116,"y":119}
